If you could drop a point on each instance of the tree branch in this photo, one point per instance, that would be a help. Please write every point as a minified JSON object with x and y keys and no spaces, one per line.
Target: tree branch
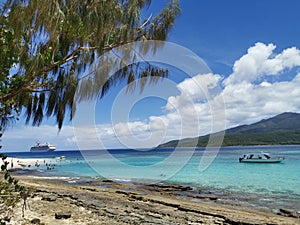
{"x":68,"y":58}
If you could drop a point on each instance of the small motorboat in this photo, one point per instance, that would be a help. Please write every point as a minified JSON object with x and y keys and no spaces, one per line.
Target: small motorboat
{"x":60,"y":158}
{"x":260,"y":158}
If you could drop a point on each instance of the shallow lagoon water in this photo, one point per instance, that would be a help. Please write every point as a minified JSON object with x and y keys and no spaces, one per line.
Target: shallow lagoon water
{"x":271,"y":185}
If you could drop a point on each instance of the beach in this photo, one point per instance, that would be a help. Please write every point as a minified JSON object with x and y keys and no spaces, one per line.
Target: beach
{"x":70,"y":188}
{"x":110,"y":202}
{"x":16,"y":163}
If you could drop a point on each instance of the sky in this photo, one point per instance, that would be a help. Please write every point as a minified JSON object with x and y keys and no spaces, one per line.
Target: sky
{"x":250,"y":71}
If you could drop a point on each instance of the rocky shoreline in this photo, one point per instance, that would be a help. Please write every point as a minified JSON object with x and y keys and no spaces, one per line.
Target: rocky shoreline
{"x":108,"y":202}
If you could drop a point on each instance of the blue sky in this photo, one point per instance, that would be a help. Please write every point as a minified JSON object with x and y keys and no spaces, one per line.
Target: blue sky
{"x":252,"y":50}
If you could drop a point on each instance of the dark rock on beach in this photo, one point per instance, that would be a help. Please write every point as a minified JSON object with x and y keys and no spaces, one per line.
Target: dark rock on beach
{"x":49,"y":198}
{"x":288,"y":213}
{"x":107,"y":181}
{"x":35,"y":221}
{"x":62,"y":215}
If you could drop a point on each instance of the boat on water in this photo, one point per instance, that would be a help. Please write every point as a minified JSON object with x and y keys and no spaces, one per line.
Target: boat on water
{"x":60,"y":158}
{"x":42,"y":147}
{"x":260,"y":158}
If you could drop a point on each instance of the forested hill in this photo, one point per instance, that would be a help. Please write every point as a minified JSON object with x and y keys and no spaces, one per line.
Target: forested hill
{"x":278,"y":130}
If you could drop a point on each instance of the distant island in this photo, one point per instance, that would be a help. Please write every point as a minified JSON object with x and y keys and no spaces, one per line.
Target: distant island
{"x":283,"y":129}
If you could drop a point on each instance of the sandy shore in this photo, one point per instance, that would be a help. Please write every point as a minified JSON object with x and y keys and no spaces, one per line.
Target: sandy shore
{"x":107,"y":202}
{"x":31,"y":163}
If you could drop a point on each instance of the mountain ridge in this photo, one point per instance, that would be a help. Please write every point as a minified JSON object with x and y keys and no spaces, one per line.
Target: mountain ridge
{"x":278,"y":130}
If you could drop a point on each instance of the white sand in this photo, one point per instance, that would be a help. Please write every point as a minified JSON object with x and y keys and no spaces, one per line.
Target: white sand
{"x":30,"y":163}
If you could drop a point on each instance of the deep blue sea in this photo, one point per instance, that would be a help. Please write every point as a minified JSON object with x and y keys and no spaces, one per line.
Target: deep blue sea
{"x":268,"y":185}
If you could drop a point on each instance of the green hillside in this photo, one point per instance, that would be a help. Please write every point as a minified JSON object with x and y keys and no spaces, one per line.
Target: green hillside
{"x":282,"y":129}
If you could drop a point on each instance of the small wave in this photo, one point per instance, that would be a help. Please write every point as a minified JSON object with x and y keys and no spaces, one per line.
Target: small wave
{"x":73,"y":181}
{"x":290,"y":152}
{"x":54,"y":177}
{"x":122,"y":180}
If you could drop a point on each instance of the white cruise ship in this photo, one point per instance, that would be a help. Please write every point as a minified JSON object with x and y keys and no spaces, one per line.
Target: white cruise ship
{"x":42,"y":147}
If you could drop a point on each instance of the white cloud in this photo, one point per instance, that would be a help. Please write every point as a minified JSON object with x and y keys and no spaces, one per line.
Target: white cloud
{"x":249,"y":97}
{"x":197,"y":88}
{"x":247,"y":103}
{"x":261,"y":61}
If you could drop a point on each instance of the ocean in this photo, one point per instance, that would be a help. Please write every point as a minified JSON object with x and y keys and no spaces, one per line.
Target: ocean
{"x":270,"y":186}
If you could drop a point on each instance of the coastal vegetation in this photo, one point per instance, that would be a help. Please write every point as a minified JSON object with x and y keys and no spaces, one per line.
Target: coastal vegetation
{"x":283,"y":129}
{"x":45,"y":49}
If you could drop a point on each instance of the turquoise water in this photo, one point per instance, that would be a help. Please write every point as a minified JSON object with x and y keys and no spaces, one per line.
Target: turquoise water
{"x":273,"y":185}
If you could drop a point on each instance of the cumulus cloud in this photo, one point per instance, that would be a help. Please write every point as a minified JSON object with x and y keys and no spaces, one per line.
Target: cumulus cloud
{"x":247,"y":103}
{"x":261,"y":61}
{"x":249,"y":97}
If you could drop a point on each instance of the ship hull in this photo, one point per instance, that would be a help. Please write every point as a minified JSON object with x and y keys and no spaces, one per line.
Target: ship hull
{"x":42,"y":148}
